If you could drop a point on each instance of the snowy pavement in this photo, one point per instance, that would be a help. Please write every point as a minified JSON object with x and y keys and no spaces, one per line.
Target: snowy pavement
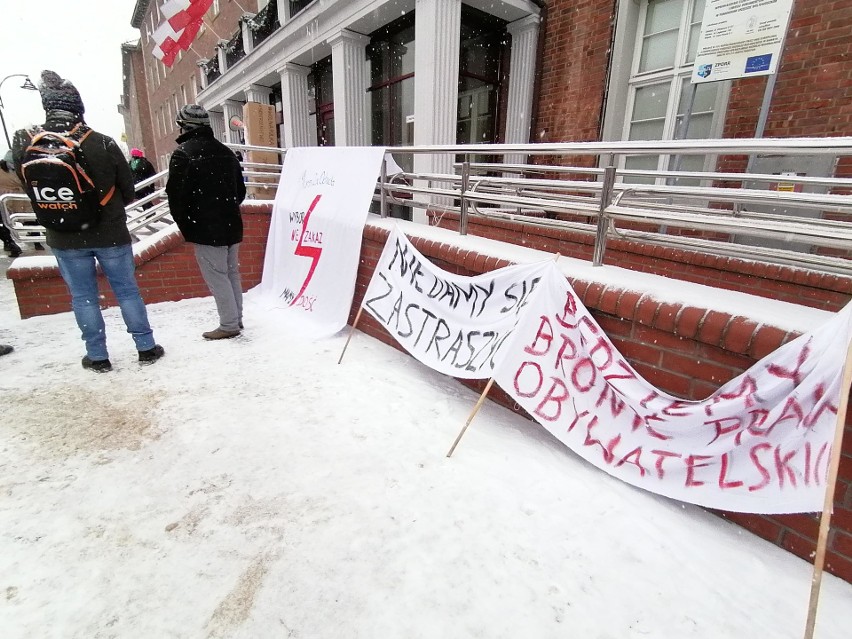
{"x":255,"y":488}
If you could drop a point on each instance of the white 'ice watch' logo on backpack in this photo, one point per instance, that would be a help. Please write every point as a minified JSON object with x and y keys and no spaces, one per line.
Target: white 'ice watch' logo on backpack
{"x":48,"y":194}
{"x":50,"y":198}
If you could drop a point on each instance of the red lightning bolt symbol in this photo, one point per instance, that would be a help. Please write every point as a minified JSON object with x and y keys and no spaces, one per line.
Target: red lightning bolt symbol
{"x":312,"y":252}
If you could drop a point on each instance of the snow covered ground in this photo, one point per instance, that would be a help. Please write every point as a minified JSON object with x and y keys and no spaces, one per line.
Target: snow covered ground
{"x":255,"y":488}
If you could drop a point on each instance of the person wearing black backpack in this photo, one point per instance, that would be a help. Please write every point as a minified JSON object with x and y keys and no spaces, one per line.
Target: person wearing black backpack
{"x":103,"y":240}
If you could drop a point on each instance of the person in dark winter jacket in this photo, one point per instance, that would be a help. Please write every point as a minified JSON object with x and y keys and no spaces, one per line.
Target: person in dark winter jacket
{"x":9,"y":183}
{"x":106,"y":243}
{"x":142,"y":169}
{"x":205,"y":189}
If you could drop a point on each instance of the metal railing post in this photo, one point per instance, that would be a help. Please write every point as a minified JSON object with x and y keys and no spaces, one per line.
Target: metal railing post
{"x":465,"y":183}
{"x":384,"y":178}
{"x":603,"y":220}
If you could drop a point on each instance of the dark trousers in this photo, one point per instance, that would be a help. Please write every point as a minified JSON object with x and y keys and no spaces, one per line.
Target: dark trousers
{"x":6,"y":235}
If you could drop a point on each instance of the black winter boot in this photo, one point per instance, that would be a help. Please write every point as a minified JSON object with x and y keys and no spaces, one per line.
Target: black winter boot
{"x":97,"y":365}
{"x":12,"y":249}
{"x":151,"y":355}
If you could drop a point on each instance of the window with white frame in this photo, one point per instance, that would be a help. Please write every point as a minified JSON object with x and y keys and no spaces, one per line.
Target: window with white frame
{"x":662,"y":103}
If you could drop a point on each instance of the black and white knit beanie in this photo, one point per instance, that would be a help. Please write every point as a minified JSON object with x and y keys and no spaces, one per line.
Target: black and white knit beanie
{"x":191,"y":116}
{"x":59,"y":94}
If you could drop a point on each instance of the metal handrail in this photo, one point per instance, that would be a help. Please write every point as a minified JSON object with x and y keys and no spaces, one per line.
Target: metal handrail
{"x":611,"y":203}
{"x":579,"y":198}
{"x":722,"y":146}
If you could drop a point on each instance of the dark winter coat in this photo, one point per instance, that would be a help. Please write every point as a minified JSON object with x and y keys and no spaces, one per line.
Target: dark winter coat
{"x":142,"y":169}
{"x":108,"y":168}
{"x":205,"y":189}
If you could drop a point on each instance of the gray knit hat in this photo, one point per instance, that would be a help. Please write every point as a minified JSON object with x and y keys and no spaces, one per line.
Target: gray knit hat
{"x":191,"y":116}
{"x":59,"y":94}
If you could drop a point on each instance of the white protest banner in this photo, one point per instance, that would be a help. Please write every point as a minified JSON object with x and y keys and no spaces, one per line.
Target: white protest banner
{"x":314,"y":242}
{"x":760,"y":444}
{"x":454,"y":324}
{"x":740,"y":38}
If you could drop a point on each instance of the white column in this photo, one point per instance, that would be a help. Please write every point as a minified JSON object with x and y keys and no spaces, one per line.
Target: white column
{"x":283,"y":12}
{"x":524,"y":34}
{"x":257,"y":93}
{"x":202,"y":74}
{"x":248,"y":40}
{"x":350,"y":80}
{"x":217,"y":123}
{"x":437,"y":34}
{"x":222,"y":56}
{"x":232,"y":108}
{"x":297,"y":129}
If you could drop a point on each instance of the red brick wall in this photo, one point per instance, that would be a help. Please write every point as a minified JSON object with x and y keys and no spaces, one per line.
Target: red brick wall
{"x":686,"y":351}
{"x":165,"y":272}
{"x":577,"y":35}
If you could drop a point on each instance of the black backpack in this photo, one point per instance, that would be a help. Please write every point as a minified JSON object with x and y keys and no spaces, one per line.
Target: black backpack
{"x":56,"y":177}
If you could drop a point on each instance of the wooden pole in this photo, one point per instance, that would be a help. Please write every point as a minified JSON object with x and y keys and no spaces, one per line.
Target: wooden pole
{"x":828,"y":505}
{"x":481,"y":400}
{"x":472,"y":415}
{"x":351,"y":331}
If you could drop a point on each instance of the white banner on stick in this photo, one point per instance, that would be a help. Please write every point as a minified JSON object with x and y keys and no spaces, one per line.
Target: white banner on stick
{"x":454,"y":324}
{"x":314,"y":242}
{"x":760,"y":444}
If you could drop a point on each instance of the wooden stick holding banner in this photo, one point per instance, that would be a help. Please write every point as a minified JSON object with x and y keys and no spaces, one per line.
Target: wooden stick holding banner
{"x":828,"y":505}
{"x":481,"y":399}
{"x":472,"y":415}
{"x":351,"y":331}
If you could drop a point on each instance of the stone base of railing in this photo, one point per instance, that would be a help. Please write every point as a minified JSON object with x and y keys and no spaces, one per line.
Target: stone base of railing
{"x":165,"y":269}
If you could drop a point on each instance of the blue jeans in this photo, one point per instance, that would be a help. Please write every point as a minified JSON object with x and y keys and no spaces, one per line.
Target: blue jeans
{"x":77,"y":267}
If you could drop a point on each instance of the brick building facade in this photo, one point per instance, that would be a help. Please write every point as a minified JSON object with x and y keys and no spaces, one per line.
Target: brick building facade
{"x":170,"y":88}
{"x":343,"y":72}
{"x":589,"y":61}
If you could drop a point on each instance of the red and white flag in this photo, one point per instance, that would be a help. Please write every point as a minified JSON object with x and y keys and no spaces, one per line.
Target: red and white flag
{"x":182,"y":19}
{"x":175,"y":13}
{"x":166,"y":39}
{"x":198,"y":8}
